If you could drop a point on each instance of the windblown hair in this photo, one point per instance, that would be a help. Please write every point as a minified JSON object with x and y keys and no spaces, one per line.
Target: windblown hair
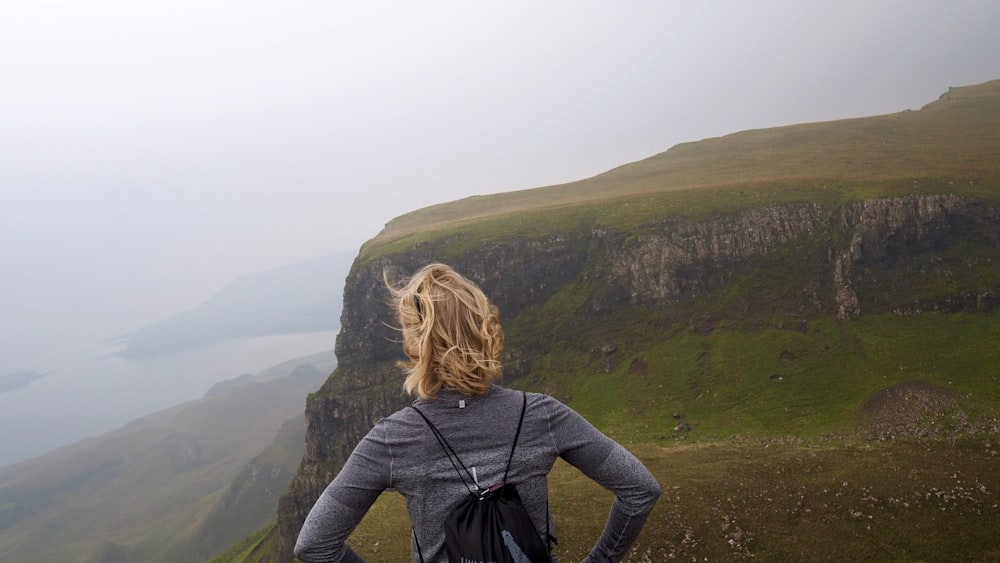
{"x":451,"y":333}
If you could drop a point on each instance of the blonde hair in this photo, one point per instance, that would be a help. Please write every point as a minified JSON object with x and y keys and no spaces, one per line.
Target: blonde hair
{"x":451,"y":333}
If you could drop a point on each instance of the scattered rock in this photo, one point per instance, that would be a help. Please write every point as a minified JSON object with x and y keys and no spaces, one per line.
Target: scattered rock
{"x":907,"y":408}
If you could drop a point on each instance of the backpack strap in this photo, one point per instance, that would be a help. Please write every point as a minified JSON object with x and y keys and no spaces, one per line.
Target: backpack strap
{"x":419,"y":553}
{"x":453,"y":457}
{"x":450,"y":452}
{"x":457,"y":461}
{"x":520,"y":422}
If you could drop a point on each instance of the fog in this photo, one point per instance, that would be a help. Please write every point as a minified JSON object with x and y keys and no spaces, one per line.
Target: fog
{"x":150,"y":152}
{"x":91,"y":393}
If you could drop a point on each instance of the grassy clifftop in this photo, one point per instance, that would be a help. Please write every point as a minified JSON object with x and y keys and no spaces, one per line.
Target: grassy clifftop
{"x":951,"y":144}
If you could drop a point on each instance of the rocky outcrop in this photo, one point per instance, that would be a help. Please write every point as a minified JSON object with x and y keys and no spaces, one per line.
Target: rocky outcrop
{"x":908,"y":408}
{"x":840,"y":262}
{"x":895,"y":233}
{"x":675,"y":258}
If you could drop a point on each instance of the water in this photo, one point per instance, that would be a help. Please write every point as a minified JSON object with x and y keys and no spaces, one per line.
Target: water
{"x":91,"y":393}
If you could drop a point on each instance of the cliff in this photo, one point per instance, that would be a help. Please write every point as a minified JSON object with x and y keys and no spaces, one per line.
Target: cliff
{"x":604,"y":283}
{"x":868,"y":258}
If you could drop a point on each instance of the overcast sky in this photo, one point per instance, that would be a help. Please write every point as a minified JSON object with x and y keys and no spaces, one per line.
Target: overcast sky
{"x":151,"y":151}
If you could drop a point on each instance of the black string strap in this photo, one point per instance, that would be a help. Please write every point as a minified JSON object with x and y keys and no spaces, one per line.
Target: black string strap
{"x":457,"y":461}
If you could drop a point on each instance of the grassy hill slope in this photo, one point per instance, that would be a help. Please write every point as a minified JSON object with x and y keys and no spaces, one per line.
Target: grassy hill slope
{"x":949,"y":145}
{"x":755,"y":368}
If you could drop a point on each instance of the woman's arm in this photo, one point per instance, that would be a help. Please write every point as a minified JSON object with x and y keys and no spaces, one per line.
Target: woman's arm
{"x":345,"y":501}
{"x":613,"y":467}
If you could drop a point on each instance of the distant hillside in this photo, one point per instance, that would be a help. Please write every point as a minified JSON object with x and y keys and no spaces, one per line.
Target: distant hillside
{"x":18,"y":379}
{"x":150,"y":490}
{"x":304,"y":297}
{"x":252,"y":498}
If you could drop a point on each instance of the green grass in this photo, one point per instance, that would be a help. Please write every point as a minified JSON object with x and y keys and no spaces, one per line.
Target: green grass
{"x":806,"y":382}
{"x":776,"y":500}
{"x":243,"y":551}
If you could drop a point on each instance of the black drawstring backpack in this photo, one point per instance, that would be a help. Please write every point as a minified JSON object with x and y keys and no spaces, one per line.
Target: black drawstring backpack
{"x":489,"y":525}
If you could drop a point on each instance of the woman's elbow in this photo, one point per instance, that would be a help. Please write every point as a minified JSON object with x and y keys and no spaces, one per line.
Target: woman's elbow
{"x":655,"y":490}
{"x":653,"y":493}
{"x":650,"y":492}
{"x":307,"y":551}
{"x":301,"y":550}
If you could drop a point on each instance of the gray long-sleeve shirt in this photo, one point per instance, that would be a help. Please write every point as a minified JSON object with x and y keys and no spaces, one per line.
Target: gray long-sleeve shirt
{"x":401,"y":452}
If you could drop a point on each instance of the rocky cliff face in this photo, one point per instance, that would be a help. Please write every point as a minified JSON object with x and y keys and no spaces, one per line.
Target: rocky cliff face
{"x":897,"y":247}
{"x":677,"y":259}
{"x":904,"y":255}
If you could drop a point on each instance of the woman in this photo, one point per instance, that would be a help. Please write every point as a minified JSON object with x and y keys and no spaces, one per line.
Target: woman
{"x":452,"y":339}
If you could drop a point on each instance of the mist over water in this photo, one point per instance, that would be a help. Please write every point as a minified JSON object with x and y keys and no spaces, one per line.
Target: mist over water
{"x":90,"y":393}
